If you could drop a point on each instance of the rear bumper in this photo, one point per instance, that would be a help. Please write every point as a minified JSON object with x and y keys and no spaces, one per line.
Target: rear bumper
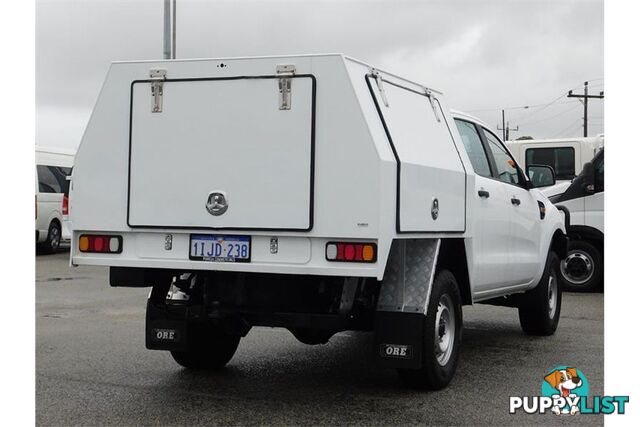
{"x":337,"y":269}
{"x":66,"y":231}
{"x":294,"y":255}
{"x":41,"y":235}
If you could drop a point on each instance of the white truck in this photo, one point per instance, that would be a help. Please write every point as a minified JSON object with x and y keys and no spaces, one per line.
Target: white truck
{"x":583,"y":268}
{"x":314,"y":193}
{"x":567,"y":156}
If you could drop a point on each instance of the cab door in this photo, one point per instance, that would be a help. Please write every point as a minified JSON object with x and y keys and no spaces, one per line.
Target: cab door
{"x":524,"y":223}
{"x":489,"y":218}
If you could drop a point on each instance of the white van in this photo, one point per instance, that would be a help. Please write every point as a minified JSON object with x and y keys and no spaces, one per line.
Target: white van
{"x":566,"y":156}
{"x":315,"y":193}
{"x":53,"y":166}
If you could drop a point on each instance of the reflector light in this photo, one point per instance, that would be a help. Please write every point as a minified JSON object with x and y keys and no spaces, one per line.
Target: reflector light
{"x":368,"y":253}
{"x":103,"y":244}
{"x":114,"y":244}
{"x":84,"y":243}
{"x":332,"y":251}
{"x":351,"y":252}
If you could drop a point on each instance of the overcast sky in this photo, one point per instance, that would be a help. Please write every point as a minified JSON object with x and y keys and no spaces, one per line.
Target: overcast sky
{"x":485,"y":55}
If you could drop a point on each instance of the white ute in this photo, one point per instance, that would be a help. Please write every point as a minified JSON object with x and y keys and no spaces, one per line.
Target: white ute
{"x":315,"y":193}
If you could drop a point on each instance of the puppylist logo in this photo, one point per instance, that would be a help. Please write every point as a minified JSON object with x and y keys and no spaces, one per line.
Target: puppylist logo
{"x":565,"y":391}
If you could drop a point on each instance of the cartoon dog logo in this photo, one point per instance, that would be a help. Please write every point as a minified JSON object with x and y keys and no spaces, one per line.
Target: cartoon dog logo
{"x":565,"y":381}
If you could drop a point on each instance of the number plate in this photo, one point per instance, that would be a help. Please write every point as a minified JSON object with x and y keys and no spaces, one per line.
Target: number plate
{"x":208,"y":247}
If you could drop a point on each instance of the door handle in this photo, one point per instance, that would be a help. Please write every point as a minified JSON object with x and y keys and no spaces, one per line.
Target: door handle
{"x":515,"y":201}
{"x":483,"y":193}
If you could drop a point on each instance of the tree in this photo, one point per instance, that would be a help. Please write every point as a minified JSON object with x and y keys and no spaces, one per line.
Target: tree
{"x":524,"y":138}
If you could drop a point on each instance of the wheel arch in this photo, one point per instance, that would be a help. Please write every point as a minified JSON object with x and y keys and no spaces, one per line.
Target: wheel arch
{"x":53,"y":220}
{"x":54,"y":216}
{"x":559,"y":244}
{"x":590,"y":234}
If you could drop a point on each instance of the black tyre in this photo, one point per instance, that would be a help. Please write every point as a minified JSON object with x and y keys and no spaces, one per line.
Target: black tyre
{"x":583,"y":268}
{"x":442,"y":334}
{"x":209,"y":348}
{"x":312,"y":336}
{"x":52,"y":244}
{"x":539,"y":308}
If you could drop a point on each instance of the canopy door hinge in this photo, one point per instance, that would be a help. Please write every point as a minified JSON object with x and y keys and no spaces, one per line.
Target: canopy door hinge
{"x":432,"y":101}
{"x":376,"y":75}
{"x":157,"y":82}
{"x":285,"y":72}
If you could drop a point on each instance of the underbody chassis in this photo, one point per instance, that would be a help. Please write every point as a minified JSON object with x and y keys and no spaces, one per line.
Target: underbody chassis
{"x":312,"y":307}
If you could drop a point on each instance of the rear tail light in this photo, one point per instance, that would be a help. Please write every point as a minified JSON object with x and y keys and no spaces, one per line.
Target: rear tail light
{"x":351,"y":252}
{"x":65,"y":205}
{"x":104,"y":244}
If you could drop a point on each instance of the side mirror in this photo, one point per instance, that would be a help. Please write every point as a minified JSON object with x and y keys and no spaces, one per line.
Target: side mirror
{"x":589,"y":174}
{"x":541,"y":175}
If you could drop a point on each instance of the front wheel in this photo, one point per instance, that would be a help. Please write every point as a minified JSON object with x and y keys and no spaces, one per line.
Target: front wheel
{"x":539,"y":309}
{"x":582,"y":269}
{"x":208,"y":348}
{"x":442,"y":333}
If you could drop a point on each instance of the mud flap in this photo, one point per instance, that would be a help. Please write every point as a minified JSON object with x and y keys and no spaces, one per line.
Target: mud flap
{"x":163,"y":332}
{"x":398,"y":339}
{"x":402,"y":304}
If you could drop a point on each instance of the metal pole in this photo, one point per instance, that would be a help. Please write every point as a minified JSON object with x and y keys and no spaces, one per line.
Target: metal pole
{"x":586,"y":100}
{"x":504,"y":137}
{"x":173,"y":32}
{"x":166,"y":53}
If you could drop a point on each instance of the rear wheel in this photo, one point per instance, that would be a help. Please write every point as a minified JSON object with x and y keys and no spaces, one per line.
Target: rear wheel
{"x":539,"y":309}
{"x":442,"y":333}
{"x":582,"y":269}
{"x":52,"y":244}
{"x":208,"y":348}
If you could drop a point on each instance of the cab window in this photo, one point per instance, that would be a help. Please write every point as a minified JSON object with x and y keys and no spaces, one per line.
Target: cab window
{"x":473,"y":147}
{"x":506,"y":167}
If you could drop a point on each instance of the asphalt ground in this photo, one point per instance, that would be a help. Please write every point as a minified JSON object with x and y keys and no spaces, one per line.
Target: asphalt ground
{"x":92,"y":367}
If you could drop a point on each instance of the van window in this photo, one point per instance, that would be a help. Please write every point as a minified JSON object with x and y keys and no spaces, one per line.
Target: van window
{"x":507,"y":168}
{"x":473,"y":146}
{"x":53,"y":179}
{"x":561,"y":159}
